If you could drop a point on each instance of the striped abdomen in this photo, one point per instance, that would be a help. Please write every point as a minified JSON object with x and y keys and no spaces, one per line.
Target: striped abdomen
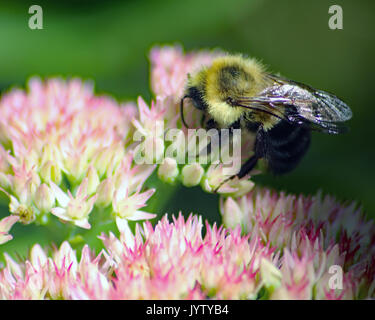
{"x":285,"y":145}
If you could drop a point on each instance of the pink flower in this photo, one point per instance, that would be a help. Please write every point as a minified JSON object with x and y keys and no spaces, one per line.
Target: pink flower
{"x":175,"y":260}
{"x":314,"y":236}
{"x":169,"y":70}
{"x":5,"y":225}
{"x":75,"y":209}
{"x":170,"y":66}
{"x":59,"y":134}
{"x":171,"y":261}
{"x":126,"y":207}
{"x":58,"y":277}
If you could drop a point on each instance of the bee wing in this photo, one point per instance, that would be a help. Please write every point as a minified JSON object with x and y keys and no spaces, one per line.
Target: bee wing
{"x":300,"y":104}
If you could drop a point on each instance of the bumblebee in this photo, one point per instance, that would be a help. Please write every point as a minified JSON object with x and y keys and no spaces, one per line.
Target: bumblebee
{"x":237,"y":92}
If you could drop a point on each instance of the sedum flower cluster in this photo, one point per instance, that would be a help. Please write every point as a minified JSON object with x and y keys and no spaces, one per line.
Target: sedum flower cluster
{"x":284,"y":248}
{"x":317,"y":238}
{"x":66,"y":152}
{"x":171,"y":261}
{"x":69,"y":156}
{"x":63,"y":151}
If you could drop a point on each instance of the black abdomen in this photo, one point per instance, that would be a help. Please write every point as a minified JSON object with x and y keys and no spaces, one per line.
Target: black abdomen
{"x":285,"y":145}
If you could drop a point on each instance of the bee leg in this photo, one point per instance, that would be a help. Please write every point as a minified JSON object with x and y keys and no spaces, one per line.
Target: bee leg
{"x":259,"y":152}
{"x":245,"y":169}
{"x":251,"y":163}
{"x":211,"y":124}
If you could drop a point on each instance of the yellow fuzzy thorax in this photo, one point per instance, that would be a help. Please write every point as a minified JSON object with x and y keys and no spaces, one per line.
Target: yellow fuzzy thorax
{"x":208,"y":81}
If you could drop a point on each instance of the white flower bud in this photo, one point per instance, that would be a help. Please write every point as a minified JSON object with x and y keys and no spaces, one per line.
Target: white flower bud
{"x":168,"y":170}
{"x":93,"y":180}
{"x":50,"y":152}
{"x":107,"y":159}
{"x":51,"y":172}
{"x":44,"y":198}
{"x":102,"y":160}
{"x":232,"y":214}
{"x":105,"y":193}
{"x":270,"y":275}
{"x":243,"y":187}
{"x":192,"y":174}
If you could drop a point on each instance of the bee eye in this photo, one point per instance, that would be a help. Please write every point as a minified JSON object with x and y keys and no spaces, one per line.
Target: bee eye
{"x":230,"y":101}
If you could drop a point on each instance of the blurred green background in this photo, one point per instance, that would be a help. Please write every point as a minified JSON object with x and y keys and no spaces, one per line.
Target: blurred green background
{"x":109,"y":41}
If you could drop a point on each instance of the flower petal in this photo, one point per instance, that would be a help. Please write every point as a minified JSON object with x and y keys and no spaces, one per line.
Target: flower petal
{"x":141,"y":215}
{"x":60,"y":213}
{"x":7,"y":223}
{"x":60,"y":195}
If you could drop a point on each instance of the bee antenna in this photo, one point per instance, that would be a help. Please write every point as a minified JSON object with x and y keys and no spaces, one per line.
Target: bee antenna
{"x":182,"y":111}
